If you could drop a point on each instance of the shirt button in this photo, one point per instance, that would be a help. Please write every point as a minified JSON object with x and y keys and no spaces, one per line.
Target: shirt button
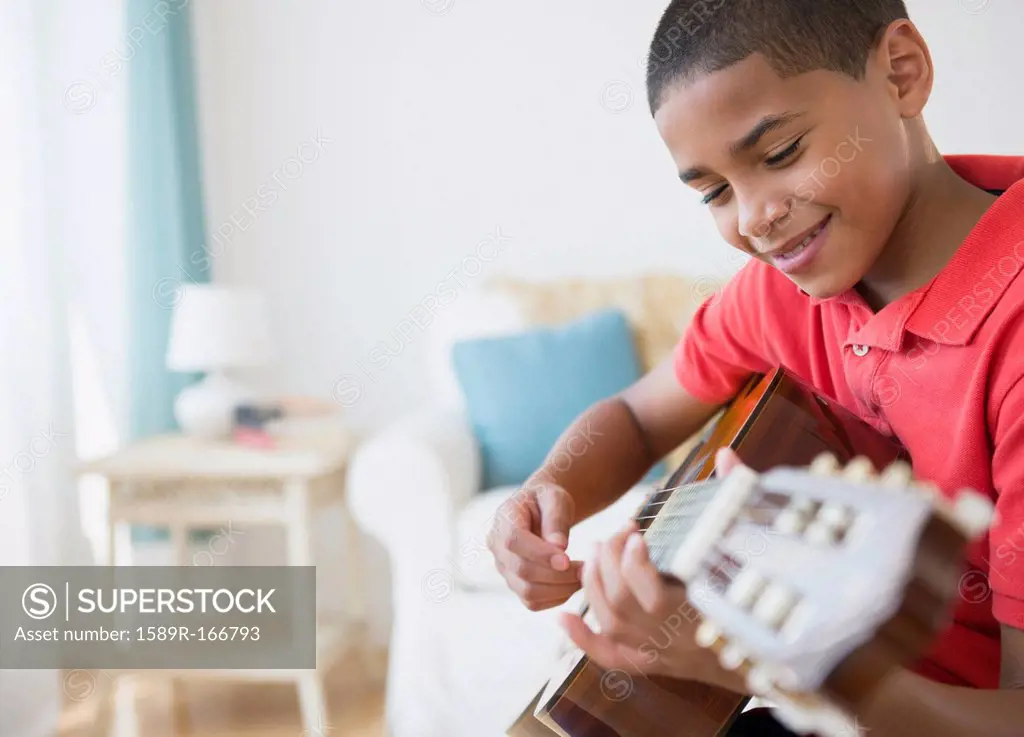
{"x":861,"y":350}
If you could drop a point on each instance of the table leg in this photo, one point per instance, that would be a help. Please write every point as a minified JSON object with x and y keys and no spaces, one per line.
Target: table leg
{"x":126,"y":719}
{"x":299,"y":533}
{"x":357,"y":582}
{"x":299,"y":525}
{"x":357,"y":618}
{"x":312,"y":704}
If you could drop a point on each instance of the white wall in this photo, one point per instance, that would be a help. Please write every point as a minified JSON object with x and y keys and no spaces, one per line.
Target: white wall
{"x":447,"y":125}
{"x":529,"y":117}
{"x":446,"y":128}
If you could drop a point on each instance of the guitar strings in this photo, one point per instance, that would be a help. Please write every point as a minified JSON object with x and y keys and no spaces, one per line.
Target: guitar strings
{"x":697,"y":494}
{"x":667,"y":507}
{"x":694,"y":484}
{"x":699,"y":498}
{"x":677,"y":515}
{"x":663,"y":496}
{"x":674,"y":498}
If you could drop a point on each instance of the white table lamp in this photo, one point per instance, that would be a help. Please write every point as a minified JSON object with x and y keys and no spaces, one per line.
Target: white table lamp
{"x":216,"y":329}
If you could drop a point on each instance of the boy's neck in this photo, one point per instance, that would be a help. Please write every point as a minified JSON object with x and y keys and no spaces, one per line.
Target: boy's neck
{"x":940,"y":213}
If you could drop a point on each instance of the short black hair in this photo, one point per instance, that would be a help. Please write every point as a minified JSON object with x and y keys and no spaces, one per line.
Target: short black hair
{"x":796,"y":36}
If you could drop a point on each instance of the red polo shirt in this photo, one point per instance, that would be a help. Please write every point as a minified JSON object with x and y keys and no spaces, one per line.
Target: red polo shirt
{"x":942,"y":369}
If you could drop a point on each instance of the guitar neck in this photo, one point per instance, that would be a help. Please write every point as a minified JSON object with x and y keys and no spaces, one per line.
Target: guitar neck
{"x":669,"y":516}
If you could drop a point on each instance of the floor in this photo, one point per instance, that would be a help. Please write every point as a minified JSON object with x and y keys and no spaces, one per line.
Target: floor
{"x":220,"y":709}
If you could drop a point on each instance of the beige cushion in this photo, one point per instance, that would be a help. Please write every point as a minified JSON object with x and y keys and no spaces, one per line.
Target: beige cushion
{"x":659,"y":307}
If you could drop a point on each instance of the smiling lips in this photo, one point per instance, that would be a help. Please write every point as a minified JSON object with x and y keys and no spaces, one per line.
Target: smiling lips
{"x":800,"y":253}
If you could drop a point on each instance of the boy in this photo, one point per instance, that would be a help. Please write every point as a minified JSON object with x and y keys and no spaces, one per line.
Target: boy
{"x":881,"y":272}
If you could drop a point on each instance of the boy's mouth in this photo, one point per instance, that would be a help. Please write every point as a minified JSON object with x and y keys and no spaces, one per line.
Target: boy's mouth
{"x":799,"y":252}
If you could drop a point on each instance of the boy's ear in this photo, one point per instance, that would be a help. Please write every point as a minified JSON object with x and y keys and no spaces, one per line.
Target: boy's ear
{"x":907,"y":65}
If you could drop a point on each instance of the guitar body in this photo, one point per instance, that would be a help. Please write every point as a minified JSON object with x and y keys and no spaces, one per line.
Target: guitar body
{"x":776,"y":420}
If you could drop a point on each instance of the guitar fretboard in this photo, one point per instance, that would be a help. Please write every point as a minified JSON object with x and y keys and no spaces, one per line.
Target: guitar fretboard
{"x":674,"y":512}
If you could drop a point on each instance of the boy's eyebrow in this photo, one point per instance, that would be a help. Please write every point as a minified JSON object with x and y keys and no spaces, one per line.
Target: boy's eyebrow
{"x":765,"y":126}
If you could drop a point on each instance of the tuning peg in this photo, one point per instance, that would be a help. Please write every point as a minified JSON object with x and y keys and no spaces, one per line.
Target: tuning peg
{"x":821,"y":532}
{"x":794,"y":518}
{"x":824,"y":464}
{"x":859,"y":469}
{"x":897,"y":475}
{"x":760,"y":680}
{"x":707,"y":634}
{"x":973,"y":512}
{"x":774,"y":605}
{"x":745,"y":588}
{"x":831,"y":522}
{"x":836,"y":515}
{"x":732,"y":658}
{"x":790,"y":521}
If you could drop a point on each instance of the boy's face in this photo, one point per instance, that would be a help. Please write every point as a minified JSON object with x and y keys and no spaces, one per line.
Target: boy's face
{"x":809,"y":174}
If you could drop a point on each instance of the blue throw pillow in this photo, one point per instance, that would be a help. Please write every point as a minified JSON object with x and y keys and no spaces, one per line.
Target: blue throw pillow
{"x":522,"y":391}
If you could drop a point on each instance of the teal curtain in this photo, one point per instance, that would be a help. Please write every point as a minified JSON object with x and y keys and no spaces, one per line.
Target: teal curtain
{"x":166,"y":221}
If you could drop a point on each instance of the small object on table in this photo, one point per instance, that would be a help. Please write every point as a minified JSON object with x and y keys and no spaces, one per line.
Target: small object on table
{"x":217,"y":330}
{"x":250,"y":426}
{"x":254,"y":415}
{"x":254,"y":437}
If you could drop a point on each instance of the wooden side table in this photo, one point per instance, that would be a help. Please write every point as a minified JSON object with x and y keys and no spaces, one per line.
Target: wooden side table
{"x":184,"y":483}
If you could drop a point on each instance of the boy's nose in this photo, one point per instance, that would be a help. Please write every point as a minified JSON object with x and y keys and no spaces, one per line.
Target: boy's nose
{"x":759,"y":218}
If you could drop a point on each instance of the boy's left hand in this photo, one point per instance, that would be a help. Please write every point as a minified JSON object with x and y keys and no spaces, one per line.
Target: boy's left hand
{"x":646,"y":623}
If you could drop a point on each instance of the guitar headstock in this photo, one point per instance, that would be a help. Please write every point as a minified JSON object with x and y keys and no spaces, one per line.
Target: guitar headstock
{"x":813,"y":582}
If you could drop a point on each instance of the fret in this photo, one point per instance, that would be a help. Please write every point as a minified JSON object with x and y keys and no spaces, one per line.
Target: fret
{"x":675,"y":517}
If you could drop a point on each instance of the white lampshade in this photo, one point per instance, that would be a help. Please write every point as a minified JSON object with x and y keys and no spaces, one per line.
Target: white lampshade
{"x":216,"y":328}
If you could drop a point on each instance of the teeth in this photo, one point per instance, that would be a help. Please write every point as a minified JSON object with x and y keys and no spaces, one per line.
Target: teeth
{"x":795,"y":251}
{"x":804,"y":243}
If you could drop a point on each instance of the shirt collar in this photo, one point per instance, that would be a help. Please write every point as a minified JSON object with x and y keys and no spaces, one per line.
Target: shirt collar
{"x":951,"y":307}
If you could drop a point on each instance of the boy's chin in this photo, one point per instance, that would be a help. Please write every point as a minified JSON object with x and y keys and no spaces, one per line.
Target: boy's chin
{"x":827,"y":286}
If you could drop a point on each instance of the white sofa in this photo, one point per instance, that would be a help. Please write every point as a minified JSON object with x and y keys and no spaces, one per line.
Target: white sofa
{"x":465,"y":655}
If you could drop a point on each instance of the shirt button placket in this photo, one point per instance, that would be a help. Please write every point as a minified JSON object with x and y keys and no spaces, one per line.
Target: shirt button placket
{"x":858,"y":374}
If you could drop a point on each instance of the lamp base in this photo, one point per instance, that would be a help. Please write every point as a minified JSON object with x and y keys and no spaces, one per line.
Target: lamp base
{"x":206,"y":409}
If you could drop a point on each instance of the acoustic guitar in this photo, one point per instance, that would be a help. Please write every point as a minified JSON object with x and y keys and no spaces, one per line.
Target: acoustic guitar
{"x":812,"y":572}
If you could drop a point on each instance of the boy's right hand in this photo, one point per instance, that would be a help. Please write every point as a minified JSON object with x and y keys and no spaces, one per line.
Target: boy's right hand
{"x":528,"y":541}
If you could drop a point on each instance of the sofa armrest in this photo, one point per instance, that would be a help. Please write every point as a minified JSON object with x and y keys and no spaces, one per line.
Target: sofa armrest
{"x":406,"y":482}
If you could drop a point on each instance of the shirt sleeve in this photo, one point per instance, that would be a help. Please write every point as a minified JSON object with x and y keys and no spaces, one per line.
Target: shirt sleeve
{"x":724,"y":343}
{"x":1006,"y":536}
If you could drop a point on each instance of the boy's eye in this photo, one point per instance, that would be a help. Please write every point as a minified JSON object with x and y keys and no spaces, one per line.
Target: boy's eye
{"x":713,"y":194}
{"x":775,"y":160}
{"x":785,"y":153}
